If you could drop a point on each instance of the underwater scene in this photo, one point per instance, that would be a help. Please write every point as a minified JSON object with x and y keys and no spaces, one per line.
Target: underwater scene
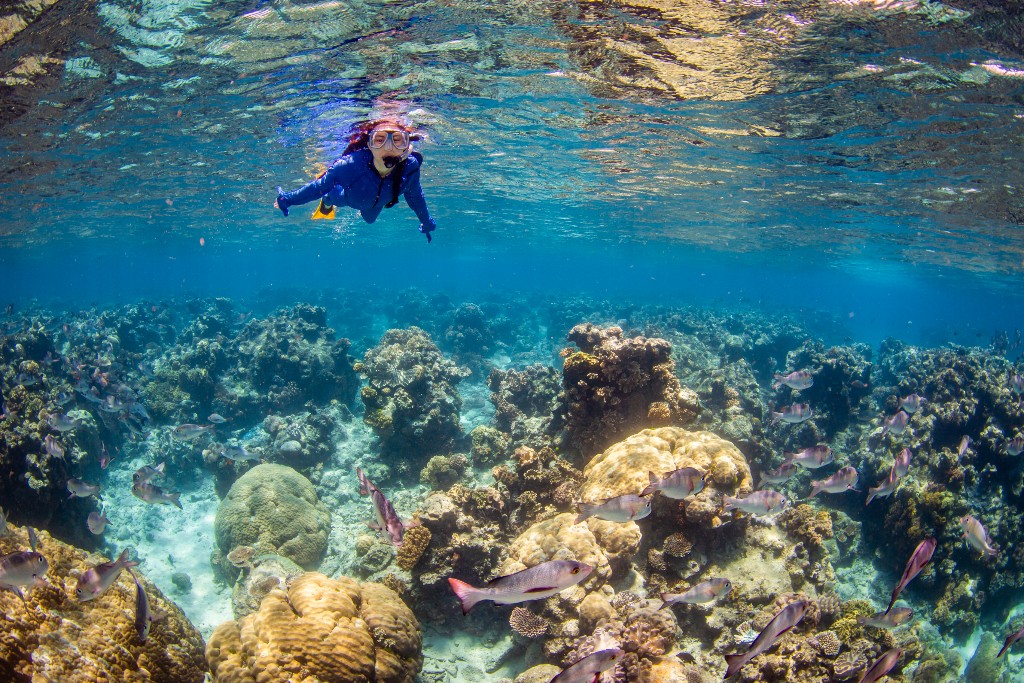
{"x":574,"y":341}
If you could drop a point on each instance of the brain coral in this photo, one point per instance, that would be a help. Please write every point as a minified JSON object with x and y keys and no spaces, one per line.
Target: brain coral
{"x":54,"y":637}
{"x":274,"y":509}
{"x":321,"y":631}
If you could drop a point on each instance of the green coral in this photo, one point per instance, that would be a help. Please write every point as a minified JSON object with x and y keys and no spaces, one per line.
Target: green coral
{"x":490,"y":445}
{"x":442,"y":471}
{"x":846,"y":626}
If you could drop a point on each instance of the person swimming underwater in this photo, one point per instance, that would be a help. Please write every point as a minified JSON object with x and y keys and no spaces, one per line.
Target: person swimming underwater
{"x":378,"y":161}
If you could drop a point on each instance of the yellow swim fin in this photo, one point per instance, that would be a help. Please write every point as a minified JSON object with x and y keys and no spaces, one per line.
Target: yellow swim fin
{"x":322,"y":213}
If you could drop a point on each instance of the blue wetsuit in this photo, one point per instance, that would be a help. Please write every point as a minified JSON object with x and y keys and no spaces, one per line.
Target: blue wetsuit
{"x":353,"y":181}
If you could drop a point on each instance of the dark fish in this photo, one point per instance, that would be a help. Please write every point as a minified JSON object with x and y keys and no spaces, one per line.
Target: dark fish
{"x":625,"y":508}
{"x":786,"y":619}
{"x":1010,"y":640}
{"x":857,"y":384}
{"x":535,"y":583}
{"x":1017,"y":383}
{"x":882,"y":666}
{"x":143,"y":615}
{"x":922,"y":555}
{"x":33,"y":539}
{"x":388,"y":521}
{"x":97,"y":580}
{"x":590,"y":668}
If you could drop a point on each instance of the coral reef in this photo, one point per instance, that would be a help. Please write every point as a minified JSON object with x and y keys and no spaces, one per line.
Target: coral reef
{"x":442,"y":471}
{"x":414,"y":543}
{"x":536,"y":483}
{"x":525,"y":401}
{"x":321,"y":630}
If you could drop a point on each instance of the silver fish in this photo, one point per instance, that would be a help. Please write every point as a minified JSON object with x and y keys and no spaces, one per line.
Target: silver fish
{"x":763,"y":502}
{"x":912,"y":403}
{"x":1015,"y":446}
{"x":921,"y":556}
{"x":216,"y":418}
{"x":902,"y":464}
{"x":1010,"y":640}
{"x":965,"y":443}
{"x":64,"y":398}
{"x":21,"y":569}
{"x":52,"y":447}
{"x":786,"y":619}
{"x":61,"y":423}
{"x":97,"y":522}
{"x":388,"y":522}
{"x":793,"y":414}
{"x":81,"y":489}
{"x":1017,"y":383}
{"x":885,"y":488}
{"x":897,"y":616}
{"x":154,"y":495}
{"x":238,"y":454}
{"x":812,"y":458}
{"x":976,"y":536}
{"x":590,"y":668}
{"x":882,"y":666}
{"x":781,"y":475}
{"x":627,"y":508}
{"x":147,"y":473}
{"x":33,"y":539}
{"x":701,"y":593}
{"x":843,"y":480}
{"x":97,"y":580}
{"x":143,"y":615}
{"x":798,"y":380}
{"x":897,"y":424}
{"x":535,"y":583}
{"x":190,"y":432}
{"x":678,"y":484}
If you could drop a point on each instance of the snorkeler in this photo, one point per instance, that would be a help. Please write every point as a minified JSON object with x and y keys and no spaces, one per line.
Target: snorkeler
{"x":378,"y":161}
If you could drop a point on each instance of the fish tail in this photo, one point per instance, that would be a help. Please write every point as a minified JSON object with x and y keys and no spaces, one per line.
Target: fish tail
{"x":815,"y":490}
{"x":665,"y":602}
{"x":364,"y":490}
{"x":174,"y":499}
{"x":778,"y":381}
{"x":728,"y":503}
{"x":586,"y":510}
{"x":861,"y":619}
{"x":1006,"y":646}
{"x":871,"y":496}
{"x":735,"y":663}
{"x":652,"y":487}
{"x":468,"y":595}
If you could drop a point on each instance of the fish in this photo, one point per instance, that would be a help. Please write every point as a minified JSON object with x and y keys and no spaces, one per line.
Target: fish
{"x":105,"y":457}
{"x":793,"y":414}
{"x":921,"y":556}
{"x":812,"y":458}
{"x":147,"y":473}
{"x":1015,"y":446}
{"x":52,"y":447}
{"x":976,"y":536}
{"x":1010,"y":640}
{"x":97,"y":522}
{"x":238,"y":454}
{"x":902,"y":464}
{"x":241,"y":556}
{"x":33,"y":539}
{"x":781,"y":475}
{"x":20,"y":569}
{"x":858,"y":384}
{"x":143,"y":615}
{"x":534,"y":583}
{"x":911,"y":404}
{"x":97,"y":580}
{"x":965,"y":443}
{"x":216,"y":418}
{"x":3,"y":522}
{"x":678,"y":484}
{"x":882,"y":666}
{"x":388,"y":522}
{"x":26,"y":380}
{"x":798,"y":380}
{"x":1017,"y":383}
{"x":764,"y":502}
{"x":190,"y":432}
{"x":897,"y":424}
{"x":81,"y":489}
{"x":885,"y":488}
{"x":701,"y":593}
{"x":64,"y":397}
{"x":590,"y":668}
{"x":896,"y":617}
{"x":843,"y":480}
{"x":787,"y":618}
{"x":154,"y":495}
{"x":626,"y":508}
{"x":60,"y":422}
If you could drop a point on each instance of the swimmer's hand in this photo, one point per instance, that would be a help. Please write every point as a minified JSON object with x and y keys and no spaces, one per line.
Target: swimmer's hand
{"x":281,"y":202}
{"x":427,"y":228}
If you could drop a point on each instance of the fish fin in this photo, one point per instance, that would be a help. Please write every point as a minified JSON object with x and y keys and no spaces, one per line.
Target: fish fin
{"x":376,"y":527}
{"x":468,"y":595}
{"x":652,"y":487}
{"x":728,"y":503}
{"x":586,"y":510}
{"x":174,"y":499}
{"x":735,"y":663}
{"x":364,"y":490}
{"x":159,"y":468}
{"x":1006,"y":646}
{"x":321,"y":214}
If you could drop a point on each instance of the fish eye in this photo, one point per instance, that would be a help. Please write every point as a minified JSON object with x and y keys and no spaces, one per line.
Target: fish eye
{"x":575,"y":570}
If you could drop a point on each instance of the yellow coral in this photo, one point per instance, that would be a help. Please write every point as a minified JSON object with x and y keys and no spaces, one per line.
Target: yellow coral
{"x":560,"y":538}
{"x":321,"y":631}
{"x":414,"y":544}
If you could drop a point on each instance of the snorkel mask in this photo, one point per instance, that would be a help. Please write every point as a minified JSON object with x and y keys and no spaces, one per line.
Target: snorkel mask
{"x":400,"y":142}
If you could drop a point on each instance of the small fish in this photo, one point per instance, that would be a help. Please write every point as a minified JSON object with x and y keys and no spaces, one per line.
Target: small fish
{"x":885,"y":488}
{"x":590,"y":668}
{"x":190,"y":432}
{"x":1017,"y":383}
{"x":976,"y":536}
{"x":897,"y":424}
{"x":912,"y":403}
{"x":97,"y":522}
{"x":535,"y":583}
{"x":97,"y":580}
{"x":627,"y":508}
{"x":20,"y":569}
{"x":1015,"y":446}
{"x":965,"y":443}
{"x":882,"y":666}
{"x":147,"y":473}
{"x":52,"y":447}
{"x":902,"y":464}
{"x":112,"y":405}
{"x":786,"y":619}
{"x":81,"y":489}
{"x":843,"y":480}
{"x":9,"y":310}
{"x":143,"y":615}
{"x":388,"y":522}
{"x":897,"y":616}
{"x":241,"y":556}
{"x":799,"y":380}
{"x":921,"y":556}
{"x":154,"y":495}
{"x":64,"y":397}
{"x":678,"y":484}
{"x":26,"y":380}
{"x":238,"y":454}
{"x":1010,"y":640}
{"x":105,"y":458}
{"x":857,"y":384}
{"x":812,"y":458}
{"x":3,"y":522}
{"x":33,"y":539}
{"x":216,"y":419}
{"x":793,"y":414}
{"x":765,"y":502}
{"x":60,"y":422}
{"x":701,"y":593}
{"x":781,"y":475}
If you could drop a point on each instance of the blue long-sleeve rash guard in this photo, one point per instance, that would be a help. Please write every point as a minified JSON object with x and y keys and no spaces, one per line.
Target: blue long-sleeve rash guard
{"x":353,"y":181}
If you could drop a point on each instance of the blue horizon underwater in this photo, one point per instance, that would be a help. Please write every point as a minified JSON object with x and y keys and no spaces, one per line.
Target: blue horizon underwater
{"x":711,"y":369}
